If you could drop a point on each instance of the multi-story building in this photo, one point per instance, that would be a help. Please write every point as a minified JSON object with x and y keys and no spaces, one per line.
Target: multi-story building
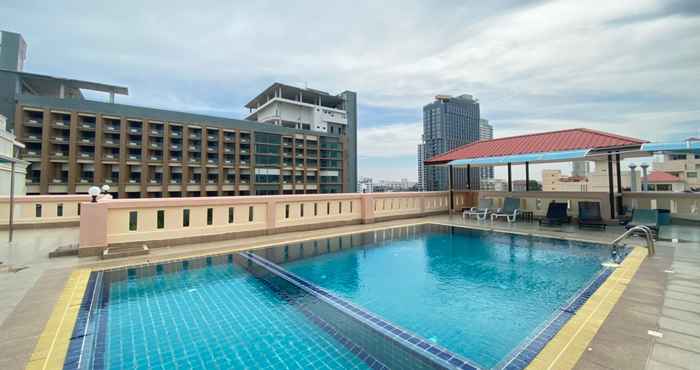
{"x":448,"y":123}
{"x":580,"y":168}
{"x":421,"y":167}
{"x":295,"y":141}
{"x":686,"y":167}
{"x":7,"y":154}
{"x":486,"y":133}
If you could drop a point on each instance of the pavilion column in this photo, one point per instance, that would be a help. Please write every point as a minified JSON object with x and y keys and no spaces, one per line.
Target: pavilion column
{"x":510,"y":178}
{"x":527,"y":176}
{"x":619,"y":184}
{"x":469,"y":177}
{"x":450,"y":185}
{"x":611,"y":189}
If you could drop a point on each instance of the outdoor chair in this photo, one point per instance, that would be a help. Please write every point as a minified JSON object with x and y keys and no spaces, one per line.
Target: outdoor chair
{"x":645,"y":217}
{"x":510,"y":210}
{"x":485,"y":207}
{"x":556,"y":215}
{"x":589,"y":215}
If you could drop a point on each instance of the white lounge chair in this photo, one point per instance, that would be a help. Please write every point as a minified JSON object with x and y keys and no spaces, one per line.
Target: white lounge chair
{"x":485,"y":207}
{"x":510,"y":210}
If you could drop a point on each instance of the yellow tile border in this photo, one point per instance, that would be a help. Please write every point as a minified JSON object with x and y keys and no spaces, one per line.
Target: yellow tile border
{"x":565,"y":349}
{"x":52,"y":346}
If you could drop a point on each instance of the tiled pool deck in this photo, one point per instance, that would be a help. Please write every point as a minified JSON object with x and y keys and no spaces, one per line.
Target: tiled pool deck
{"x":663,"y":296}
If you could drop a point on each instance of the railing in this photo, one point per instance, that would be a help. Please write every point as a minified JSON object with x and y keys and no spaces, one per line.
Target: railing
{"x":537,"y":202}
{"x":648,"y":235}
{"x":684,"y":206}
{"x":179,"y":220}
{"x":42,"y":210}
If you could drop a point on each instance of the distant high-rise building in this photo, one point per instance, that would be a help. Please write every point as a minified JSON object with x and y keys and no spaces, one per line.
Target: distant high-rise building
{"x":581,"y":168}
{"x":421,"y":167}
{"x":485,"y":133}
{"x":449,"y":122}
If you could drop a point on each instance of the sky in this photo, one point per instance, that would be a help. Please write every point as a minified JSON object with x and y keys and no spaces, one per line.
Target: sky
{"x":627,"y":67}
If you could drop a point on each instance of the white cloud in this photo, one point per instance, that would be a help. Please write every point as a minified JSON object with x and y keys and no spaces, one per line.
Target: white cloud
{"x":389,"y":141}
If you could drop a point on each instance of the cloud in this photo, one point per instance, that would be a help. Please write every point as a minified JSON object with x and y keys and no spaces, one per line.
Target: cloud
{"x":389,"y":141}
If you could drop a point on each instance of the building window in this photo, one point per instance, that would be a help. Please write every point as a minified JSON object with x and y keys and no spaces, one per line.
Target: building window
{"x":250,"y":214}
{"x":37,"y":210}
{"x":210,"y":216}
{"x":230,"y":215}
{"x":160,"y":219}
{"x":133,"y":220}
{"x":185,"y":217}
{"x":59,"y":210}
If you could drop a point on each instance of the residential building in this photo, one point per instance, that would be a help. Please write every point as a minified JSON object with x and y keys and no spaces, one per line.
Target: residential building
{"x":7,"y":150}
{"x":553,"y":180}
{"x":685,"y":166}
{"x":486,"y":133}
{"x":295,"y":141}
{"x":365,"y":185}
{"x":421,"y":167}
{"x":580,"y":168}
{"x":664,"y":181}
{"x":448,"y":123}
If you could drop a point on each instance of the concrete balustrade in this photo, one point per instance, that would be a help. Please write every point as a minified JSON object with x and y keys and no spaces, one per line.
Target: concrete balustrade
{"x":42,"y":210}
{"x":537,"y":202}
{"x":685,"y":206}
{"x":170,"y":221}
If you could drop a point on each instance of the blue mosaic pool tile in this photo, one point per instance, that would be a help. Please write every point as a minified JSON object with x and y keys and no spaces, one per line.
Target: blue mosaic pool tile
{"x":401,"y":336}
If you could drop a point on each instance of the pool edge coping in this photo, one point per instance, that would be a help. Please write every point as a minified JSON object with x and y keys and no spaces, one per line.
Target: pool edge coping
{"x":52,"y":344}
{"x":565,"y":349}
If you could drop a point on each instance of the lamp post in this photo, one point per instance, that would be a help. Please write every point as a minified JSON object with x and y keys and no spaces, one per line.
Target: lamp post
{"x":94,"y":191}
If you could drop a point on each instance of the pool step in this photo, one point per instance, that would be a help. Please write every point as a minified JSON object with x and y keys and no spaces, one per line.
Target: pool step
{"x":128,"y":251}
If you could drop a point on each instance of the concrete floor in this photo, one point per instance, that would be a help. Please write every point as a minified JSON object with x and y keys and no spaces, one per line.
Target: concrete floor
{"x":664,"y":296}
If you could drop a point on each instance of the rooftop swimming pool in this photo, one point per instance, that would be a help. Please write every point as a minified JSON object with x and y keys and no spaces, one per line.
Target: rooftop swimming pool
{"x":421,"y":296}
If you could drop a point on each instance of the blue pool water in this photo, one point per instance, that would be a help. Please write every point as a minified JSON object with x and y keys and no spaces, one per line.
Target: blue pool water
{"x":478,"y":294}
{"x":217,"y":317}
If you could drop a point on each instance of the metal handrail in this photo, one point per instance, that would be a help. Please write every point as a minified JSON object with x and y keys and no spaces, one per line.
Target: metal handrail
{"x":648,"y":233}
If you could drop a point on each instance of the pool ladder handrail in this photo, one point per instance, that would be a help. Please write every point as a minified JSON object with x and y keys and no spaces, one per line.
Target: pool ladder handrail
{"x":648,"y":233}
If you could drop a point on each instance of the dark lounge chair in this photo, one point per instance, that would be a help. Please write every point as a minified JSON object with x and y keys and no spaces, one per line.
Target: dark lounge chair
{"x":645,"y":217}
{"x":589,"y":215}
{"x":556,"y":215}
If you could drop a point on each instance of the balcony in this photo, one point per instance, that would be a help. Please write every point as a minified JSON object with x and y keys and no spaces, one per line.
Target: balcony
{"x":112,"y":180}
{"x":175,"y":147}
{"x":175,"y":159}
{"x":33,"y":122}
{"x":86,"y":180}
{"x":133,"y":157}
{"x":156,"y":145}
{"x":154,"y":182}
{"x":212,"y":181}
{"x":110,"y":142}
{"x":212,"y":149}
{"x":60,"y":180}
{"x":244,"y":164}
{"x":245,"y":140}
{"x":32,"y":153}
{"x":86,"y":140}
{"x":134,"y":144}
{"x":195,"y":149}
{"x":61,"y":124}
{"x":212,"y":161}
{"x":195,"y":160}
{"x":134,"y":181}
{"x":33,"y":180}
{"x":87,"y":126}
{"x":157,"y":133}
{"x":229,"y":138}
{"x":32,"y":137}
{"x":245,"y":151}
{"x":86,"y":155}
{"x":195,"y":136}
{"x":228,"y":161}
{"x":156,"y":158}
{"x":135,"y":131}
{"x":111,"y":128}
{"x":228,"y":150}
{"x":212,"y":137}
{"x":59,"y":155}
{"x":110,"y":157}
{"x":175,"y":134}
{"x":175,"y":181}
